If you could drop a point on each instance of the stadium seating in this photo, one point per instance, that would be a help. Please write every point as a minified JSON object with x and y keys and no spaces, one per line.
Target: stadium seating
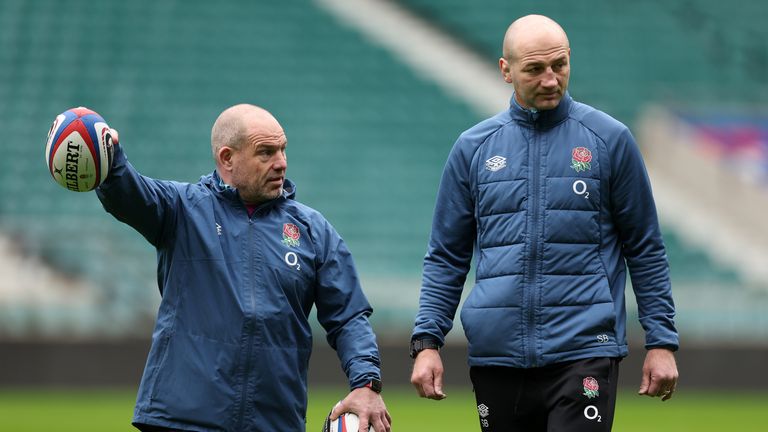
{"x":367,"y":136}
{"x":625,"y":54}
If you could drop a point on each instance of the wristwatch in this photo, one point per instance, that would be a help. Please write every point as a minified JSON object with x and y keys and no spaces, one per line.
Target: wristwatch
{"x":419,"y":345}
{"x":374,"y":385}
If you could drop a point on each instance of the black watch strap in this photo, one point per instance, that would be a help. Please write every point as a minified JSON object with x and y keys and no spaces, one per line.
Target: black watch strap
{"x":419,"y":345}
{"x":375,"y":385}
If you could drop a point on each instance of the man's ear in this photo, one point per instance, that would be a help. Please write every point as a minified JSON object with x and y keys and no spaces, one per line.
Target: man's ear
{"x":225,"y":157}
{"x":504,"y":66}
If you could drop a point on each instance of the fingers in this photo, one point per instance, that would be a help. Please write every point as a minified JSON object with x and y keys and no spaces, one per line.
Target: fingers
{"x":115,"y":136}
{"x":369,"y":408}
{"x":667,"y":394}
{"x":437,"y":393}
{"x":665,"y":389}
{"x":430,"y":386}
{"x":375,"y":416}
{"x":380,"y":423}
{"x":645,"y":383}
{"x":659,"y":374}
{"x":655,"y":386}
{"x":427,"y":376}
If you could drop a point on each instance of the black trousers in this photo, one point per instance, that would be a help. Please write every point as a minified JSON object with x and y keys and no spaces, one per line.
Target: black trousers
{"x":575,"y":396}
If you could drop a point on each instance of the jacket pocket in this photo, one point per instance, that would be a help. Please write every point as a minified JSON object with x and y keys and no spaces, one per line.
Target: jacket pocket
{"x":577,"y":327}
{"x":195,"y":381}
{"x":492,"y":331}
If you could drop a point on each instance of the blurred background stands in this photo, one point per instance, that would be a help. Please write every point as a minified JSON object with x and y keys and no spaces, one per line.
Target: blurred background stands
{"x":367,"y":136}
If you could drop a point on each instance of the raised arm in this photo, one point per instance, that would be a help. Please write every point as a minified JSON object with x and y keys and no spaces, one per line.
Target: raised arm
{"x":143,"y":203}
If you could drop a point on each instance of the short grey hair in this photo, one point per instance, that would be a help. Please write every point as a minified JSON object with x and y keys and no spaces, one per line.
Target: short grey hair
{"x":227,"y":131}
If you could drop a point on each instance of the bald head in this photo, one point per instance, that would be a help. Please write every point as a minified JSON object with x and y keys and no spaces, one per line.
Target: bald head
{"x":249,"y":148}
{"x":532,"y":33}
{"x":235,"y":124}
{"x":536,"y":62}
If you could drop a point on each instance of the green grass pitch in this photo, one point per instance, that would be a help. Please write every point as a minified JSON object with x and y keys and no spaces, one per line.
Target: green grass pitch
{"x":24,"y":410}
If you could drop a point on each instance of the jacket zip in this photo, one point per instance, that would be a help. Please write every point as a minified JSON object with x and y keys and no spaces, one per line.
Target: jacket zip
{"x":250,"y":321}
{"x":534,"y":231}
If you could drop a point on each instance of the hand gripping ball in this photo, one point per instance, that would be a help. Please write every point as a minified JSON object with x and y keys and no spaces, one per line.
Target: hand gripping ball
{"x":79,"y":149}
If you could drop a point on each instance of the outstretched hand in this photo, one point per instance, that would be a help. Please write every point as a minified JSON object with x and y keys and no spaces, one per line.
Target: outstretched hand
{"x":659,"y":374}
{"x":369,"y":407}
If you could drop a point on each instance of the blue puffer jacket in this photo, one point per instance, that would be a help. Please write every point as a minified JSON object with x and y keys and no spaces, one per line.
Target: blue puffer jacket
{"x":553,"y":204}
{"x":231,"y":346}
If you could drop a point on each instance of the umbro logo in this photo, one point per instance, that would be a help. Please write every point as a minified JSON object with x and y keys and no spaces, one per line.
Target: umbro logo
{"x":483,"y":410}
{"x":495,"y":163}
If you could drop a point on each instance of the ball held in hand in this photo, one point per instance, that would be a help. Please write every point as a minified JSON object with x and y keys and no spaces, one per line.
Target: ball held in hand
{"x":79,"y":149}
{"x":347,"y":422}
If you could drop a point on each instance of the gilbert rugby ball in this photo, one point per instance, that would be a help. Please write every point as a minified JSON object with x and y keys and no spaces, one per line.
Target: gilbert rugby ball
{"x":79,"y":149}
{"x":347,"y":422}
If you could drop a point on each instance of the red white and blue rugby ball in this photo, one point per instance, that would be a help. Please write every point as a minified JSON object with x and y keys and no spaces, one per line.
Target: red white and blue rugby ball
{"x":79,"y":149}
{"x":347,"y":422}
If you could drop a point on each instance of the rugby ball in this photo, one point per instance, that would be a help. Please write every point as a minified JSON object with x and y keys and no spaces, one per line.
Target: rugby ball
{"x":347,"y":422}
{"x":79,"y":149}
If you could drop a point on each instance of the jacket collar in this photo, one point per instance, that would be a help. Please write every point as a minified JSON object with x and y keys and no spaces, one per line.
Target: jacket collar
{"x":230,"y":193}
{"x":541,"y":119}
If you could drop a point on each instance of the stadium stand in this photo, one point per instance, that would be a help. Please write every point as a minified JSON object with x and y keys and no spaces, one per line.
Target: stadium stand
{"x":367,"y":136}
{"x":626,"y":54}
{"x":696,"y":56}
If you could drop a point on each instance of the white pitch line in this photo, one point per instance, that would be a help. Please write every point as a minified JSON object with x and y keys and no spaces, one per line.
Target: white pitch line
{"x":429,"y":52}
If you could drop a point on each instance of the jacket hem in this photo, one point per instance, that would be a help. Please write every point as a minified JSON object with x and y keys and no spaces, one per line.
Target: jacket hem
{"x":618,"y":351}
{"x":137,"y":422}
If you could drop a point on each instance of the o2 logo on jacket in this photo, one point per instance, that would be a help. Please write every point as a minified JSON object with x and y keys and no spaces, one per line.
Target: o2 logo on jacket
{"x":292,"y":260}
{"x":580,"y":188}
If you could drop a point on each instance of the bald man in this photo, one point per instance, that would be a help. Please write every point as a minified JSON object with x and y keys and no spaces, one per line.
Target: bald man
{"x":240,"y":266}
{"x":554,"y":198}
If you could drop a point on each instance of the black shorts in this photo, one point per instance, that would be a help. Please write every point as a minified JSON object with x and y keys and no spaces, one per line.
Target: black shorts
{"x":575,"y":396}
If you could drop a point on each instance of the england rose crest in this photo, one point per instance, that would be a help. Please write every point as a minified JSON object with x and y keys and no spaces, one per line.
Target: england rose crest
{"x":591,"y":387}
{"x":291,"y":235}
{"x":581,"y":158}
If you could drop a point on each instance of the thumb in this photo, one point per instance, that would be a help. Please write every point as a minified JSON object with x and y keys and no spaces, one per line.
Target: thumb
{"x":439,"y":385}
{"x":645,"y":383}
{"x":336,"y":411}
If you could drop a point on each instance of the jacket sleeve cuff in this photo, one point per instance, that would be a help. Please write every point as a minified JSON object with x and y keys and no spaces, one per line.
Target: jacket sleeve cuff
{"x":363,"y":380}
{"x":670,"y":347}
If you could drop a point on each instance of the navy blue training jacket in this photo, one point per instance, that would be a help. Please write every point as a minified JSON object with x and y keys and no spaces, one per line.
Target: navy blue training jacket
{"x":555,"y":206}
{"x":231,"y":346}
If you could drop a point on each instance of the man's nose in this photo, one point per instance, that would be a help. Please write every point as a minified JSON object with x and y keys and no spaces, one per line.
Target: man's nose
{"x":281,"y":162}
{"x":549,"y":79}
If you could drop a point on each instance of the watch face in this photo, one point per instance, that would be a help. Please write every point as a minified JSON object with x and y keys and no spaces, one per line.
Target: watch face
{"x":375,"y":385}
